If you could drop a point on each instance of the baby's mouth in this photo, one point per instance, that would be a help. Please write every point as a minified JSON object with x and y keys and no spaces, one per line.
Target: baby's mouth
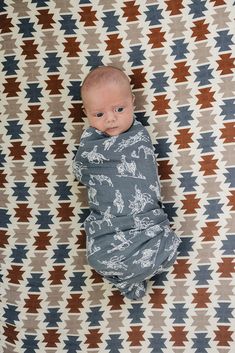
{"x":111,"y":128}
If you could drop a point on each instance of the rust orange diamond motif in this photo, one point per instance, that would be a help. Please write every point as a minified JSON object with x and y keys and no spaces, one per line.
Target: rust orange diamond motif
{"x":131,"y":11}
{"x":190,"y":203}
{"x":114,"y":44}
{"x":88,"y":16}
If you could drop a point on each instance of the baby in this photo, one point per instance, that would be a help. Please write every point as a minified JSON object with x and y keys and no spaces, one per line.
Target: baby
{"x":129,"y":238}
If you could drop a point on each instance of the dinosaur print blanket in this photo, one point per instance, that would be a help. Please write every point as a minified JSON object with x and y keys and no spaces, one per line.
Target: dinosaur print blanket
{"x":129,"y":238}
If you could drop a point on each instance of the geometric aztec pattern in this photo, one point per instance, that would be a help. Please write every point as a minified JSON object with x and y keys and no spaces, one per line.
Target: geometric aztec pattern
{"x":179,"y":56}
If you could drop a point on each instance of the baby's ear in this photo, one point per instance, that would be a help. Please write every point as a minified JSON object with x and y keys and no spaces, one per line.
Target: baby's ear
{"x":84,"y":110}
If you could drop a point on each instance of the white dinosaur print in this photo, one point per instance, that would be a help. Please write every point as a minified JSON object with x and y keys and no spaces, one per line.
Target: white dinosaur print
{"x":94,"y":157}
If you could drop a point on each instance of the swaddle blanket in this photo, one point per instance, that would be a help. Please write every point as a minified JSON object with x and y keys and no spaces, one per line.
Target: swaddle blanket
{"x":128,"y":234}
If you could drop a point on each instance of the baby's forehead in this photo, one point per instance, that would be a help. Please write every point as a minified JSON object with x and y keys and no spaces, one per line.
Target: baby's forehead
{"x":102,"y":76}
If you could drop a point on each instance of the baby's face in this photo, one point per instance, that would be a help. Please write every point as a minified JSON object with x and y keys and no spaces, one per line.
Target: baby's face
{"x":109,"y":108}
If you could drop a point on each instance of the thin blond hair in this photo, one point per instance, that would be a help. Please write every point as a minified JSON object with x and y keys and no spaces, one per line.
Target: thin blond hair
{"x":102,"y":74}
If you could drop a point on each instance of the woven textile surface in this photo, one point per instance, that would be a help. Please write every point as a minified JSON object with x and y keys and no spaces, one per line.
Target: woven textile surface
{"x":179,"y":56}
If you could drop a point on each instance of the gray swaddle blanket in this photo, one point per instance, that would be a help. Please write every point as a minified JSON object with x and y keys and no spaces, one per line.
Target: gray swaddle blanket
{"x":128,"y":234}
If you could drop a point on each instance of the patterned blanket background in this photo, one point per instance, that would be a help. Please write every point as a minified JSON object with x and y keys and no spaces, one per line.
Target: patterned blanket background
{"x":179,"y":57}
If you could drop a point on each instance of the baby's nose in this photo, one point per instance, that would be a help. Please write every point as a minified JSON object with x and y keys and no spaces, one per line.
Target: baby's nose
{"x":110,"y":117}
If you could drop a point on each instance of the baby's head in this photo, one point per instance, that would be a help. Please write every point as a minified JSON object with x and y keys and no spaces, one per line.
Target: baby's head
{"x":108,"y":100}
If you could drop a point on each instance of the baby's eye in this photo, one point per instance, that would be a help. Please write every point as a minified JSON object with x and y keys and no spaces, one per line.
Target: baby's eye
{"x":99,"y":115}
{"x":119,"y":109}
